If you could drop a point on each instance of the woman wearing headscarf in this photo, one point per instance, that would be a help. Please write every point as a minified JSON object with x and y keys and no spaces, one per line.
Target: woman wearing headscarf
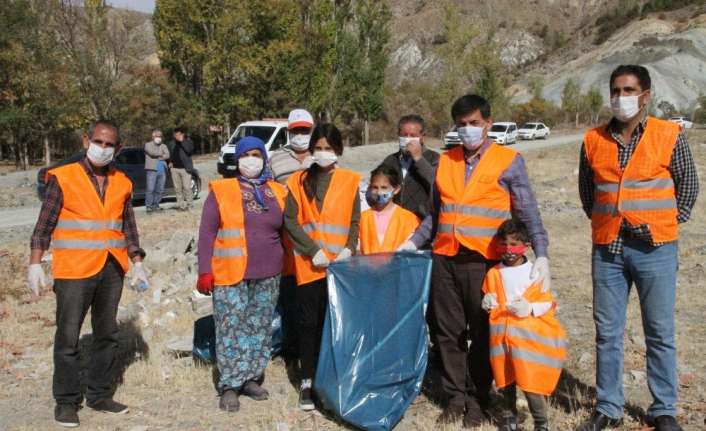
{"x":240,"y":261}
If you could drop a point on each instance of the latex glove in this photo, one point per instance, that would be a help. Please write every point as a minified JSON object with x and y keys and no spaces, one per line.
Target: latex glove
{"x":36,"y":277}
{"x":520,"y":307}
{"x":407,"y":246}
{"x":139,"y":276}
{"x":489,"y":302}
{"x":205,"y":283}
{"x":346,"y":253}
{"x":320,"y":260}
{"x":540,"y":272}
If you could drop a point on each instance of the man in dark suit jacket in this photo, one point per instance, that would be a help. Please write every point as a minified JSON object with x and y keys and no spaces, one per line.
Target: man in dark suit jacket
{"x":416,"y":165}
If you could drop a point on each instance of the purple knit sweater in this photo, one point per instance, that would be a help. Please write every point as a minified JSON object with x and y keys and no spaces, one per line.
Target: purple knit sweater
{"x":262,"y":234}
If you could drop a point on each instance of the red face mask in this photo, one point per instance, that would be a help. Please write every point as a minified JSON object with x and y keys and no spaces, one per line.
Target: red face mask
{"x":517,"y":250}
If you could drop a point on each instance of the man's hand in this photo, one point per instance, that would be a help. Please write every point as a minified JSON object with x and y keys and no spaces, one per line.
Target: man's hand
{"x":415,"y":149}
{"x":540,"y":273}
{"x":205,"y":283}
{"x":36,"y":277}
{"x":407,"y":246}
{"x":139,"y":276}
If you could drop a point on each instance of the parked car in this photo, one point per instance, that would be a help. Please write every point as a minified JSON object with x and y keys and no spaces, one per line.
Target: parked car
{"x":504,"y":133}
{"x":533,"y":131}
{"x":683,"y":122}
{"x":132,"y":162}
{"x":451,"y":139}
{"x":273,"y":133}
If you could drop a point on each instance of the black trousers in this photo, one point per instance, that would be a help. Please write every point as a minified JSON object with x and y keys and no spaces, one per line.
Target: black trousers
{"x":456,"y":303}
{"x":287,"y":303}
{"x":312,"y":299}
{"x":101,"y":293}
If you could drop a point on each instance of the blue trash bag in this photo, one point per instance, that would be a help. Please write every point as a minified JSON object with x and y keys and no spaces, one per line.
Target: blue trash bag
{"x":205,"y":340}
{"x":205,"y":337}
{"x":374,"y":343}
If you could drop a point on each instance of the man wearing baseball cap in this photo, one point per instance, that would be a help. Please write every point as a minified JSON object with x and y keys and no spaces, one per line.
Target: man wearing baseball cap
{"x":295,"y":156}
{"x":283,"y":163}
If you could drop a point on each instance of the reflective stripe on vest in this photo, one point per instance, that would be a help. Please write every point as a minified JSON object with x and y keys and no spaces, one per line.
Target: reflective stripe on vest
{"x":475,"y":210}
{"x":89,"y":228}
{"x":514,"y":331}
{"x":471,"y":210}
{"x":90,"y":224}
{"x":81,"y":244}
{"x":641,"y":193}
{"x":525,"y":355}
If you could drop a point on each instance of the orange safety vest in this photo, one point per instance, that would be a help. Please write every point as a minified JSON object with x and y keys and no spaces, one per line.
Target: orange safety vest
{"x":527,"y":351}
{"x":89,"y":229}
{"x":402,"y":225}
{"x":642,"y":193}
{"x":230,"y":254}
{"x":329,"y":227}
{"x":471,"y":212}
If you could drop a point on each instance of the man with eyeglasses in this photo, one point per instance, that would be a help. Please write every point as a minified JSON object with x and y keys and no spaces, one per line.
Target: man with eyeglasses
{"x":87,"y":217}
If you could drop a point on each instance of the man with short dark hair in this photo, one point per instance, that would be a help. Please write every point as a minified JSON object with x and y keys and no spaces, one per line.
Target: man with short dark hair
{"x":415,"y":164}
{"x":637,"y":182}
{"x":87,"y":217}
{"x":181,"y":166}
{"x":478,"y":185}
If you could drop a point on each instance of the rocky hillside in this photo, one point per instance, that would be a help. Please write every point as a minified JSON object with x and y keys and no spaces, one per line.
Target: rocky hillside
{"x":559,"y":39}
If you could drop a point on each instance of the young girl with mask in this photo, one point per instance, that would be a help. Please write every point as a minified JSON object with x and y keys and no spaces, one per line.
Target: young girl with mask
{"x":240,"y":261}
{"x":385,"y":226}
{"x":321,"y":216}
{"x":527,"y":343}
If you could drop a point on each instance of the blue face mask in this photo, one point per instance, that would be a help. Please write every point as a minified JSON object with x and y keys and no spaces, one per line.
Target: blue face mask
{"x":376,"y":199}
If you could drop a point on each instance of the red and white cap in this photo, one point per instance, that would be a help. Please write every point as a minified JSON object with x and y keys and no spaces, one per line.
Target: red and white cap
{"x":300,"y":118}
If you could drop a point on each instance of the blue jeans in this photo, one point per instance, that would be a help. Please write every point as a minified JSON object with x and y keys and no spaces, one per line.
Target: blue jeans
{"x":653,"y":270}
{"x":155,"y":187}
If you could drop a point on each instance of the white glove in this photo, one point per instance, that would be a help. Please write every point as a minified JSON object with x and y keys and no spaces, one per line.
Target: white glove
{"x":36,"y":277}
{"x":346,"y":253}
{"x":489,"y":302}
{"x":139,"y":276}
{"x":540,"y":272}
{"x":520,"y":307}
{"x":407,"y":246}
{"x":320,"y":260}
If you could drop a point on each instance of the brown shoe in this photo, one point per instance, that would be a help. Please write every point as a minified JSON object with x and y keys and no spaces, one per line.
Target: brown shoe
{"x":253,"y":390}
{"x":451,"y":414}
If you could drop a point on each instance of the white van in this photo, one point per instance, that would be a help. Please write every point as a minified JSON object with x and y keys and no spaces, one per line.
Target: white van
{"x":504,"y":133}
{"x":272,"y":131}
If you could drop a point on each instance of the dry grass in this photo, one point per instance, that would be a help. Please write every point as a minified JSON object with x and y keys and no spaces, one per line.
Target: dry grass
{"x":169,"y":393}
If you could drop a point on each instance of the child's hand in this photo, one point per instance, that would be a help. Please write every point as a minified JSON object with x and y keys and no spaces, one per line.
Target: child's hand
{"x":520,"y":307}
{"x":489,"y":302}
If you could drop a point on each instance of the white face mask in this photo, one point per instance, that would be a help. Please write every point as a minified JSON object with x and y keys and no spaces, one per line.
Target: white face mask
{"x":98,"y":155}
{"x":325,"y":158}
{"x":157,"y":140}
{"x":299,"y":142}
{"x":250,"y":166}
{"x":471,"y":136}
{"x":404,"y":141}
{"x":625,"y":107}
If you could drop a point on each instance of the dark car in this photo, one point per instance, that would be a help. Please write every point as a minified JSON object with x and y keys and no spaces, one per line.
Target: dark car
{"x":132,"y":162}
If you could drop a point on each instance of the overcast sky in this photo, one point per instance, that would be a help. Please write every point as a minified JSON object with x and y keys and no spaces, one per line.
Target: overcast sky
{"x":140,"y":5}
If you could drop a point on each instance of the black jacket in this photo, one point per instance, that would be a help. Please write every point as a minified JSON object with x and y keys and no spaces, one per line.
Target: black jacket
{"x":416,"y":195}
{"x":180,"y":154}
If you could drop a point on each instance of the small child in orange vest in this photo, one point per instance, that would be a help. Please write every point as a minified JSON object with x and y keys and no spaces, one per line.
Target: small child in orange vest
{"x":527,"y":343}
{"x":385,"y":226}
